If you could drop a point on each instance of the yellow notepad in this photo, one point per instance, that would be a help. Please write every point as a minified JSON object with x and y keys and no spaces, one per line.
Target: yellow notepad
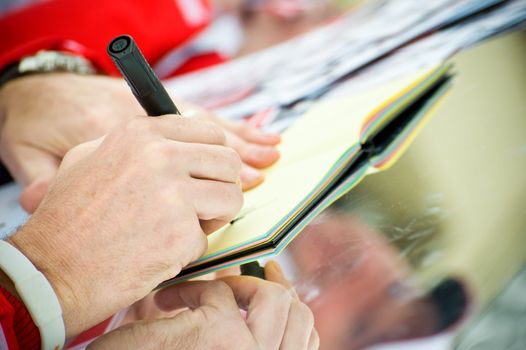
{"x":323,"y":155}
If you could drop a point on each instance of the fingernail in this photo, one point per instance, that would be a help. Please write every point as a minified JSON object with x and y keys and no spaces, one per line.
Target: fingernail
{"x":250,"y":175}
{"x":274,"y":265}
{"x":278,"y":268}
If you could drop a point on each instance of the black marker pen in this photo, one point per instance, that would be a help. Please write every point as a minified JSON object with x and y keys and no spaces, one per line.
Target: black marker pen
{"x":152,"y":96}
{"x":143,"y":82}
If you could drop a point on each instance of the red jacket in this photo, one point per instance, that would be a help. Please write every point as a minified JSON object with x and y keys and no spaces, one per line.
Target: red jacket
{"x":17,"y":330}
{"x":87,"y":26}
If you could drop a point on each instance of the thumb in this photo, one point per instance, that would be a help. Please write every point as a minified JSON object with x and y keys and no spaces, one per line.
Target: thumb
{"x":39,"y":168}
{"x":34,"y":170}
{"x":28,"y":164}
{"x":33,"y":194}
{"x":80,"y":152}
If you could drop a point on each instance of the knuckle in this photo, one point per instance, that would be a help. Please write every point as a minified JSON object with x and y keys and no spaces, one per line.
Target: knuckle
{"x":238,"y":198}
{"x":216,"y":134}
{"x":201,"y":244}
{"x":176,"y":192}
{"x":172,"y":271}
{"x":162,"y":150}
{"x":233,"y":159}
{"x":169,"y":150}
{"x":188,"y":239}
{"x":198,"y":244}
{"x":137,"y":124}
{"x":233,"y":197}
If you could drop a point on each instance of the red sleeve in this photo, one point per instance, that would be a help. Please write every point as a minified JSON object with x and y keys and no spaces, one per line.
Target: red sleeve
{"x":86,"y":27}
{"x":7,"y":330}
{"x":18,"y":331}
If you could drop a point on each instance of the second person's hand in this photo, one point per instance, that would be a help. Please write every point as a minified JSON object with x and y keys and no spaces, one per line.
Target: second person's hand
{"x":275,"y":319}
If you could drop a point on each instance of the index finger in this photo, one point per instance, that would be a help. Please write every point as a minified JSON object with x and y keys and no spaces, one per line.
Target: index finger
{"x":177,"y":128}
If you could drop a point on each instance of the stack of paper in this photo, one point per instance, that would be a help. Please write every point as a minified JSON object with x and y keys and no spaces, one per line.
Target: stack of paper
{"x":324,"y":155}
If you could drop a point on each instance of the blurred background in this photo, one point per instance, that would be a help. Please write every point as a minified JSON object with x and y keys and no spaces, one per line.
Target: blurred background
{"x":430,"y":253}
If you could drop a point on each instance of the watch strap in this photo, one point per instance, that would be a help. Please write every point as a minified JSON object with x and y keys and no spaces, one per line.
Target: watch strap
{"x":11,"y":72}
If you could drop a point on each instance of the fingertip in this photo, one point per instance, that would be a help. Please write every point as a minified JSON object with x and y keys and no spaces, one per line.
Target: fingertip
{"x":247,"y":186}
{"x":250,"y":177}
{"x":274,"y":273}
{"x":273,"y":265}
{"x":252,"y":134}
{"x":27,"y":203}
{"x":261,"y":156}
{"x":265,"y":138}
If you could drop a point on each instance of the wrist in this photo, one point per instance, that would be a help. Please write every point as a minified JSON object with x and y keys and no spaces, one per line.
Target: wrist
{"x":32,"y":243}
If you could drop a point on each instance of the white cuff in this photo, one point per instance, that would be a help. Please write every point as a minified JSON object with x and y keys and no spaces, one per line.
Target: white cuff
{"x":37,"y":294}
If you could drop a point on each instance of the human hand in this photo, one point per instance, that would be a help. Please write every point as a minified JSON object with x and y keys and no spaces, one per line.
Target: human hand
{"x":257,"y":149}
{"x":275,"y":318}
{"x":46,"y":115}
{"x":146,"y":309}
{"x":128,"y":211}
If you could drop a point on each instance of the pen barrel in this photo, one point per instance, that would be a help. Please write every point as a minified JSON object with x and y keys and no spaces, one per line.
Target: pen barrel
{"x":143,"y":82}
{"x":253,"y":269}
